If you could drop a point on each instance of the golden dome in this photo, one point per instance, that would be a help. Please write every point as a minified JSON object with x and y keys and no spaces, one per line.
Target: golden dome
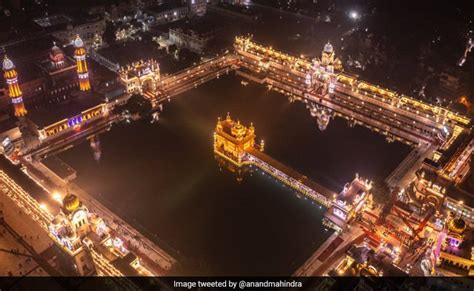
{"x":71,"y":203}
{"x":238,"y":130}
{"x":457,"y":225}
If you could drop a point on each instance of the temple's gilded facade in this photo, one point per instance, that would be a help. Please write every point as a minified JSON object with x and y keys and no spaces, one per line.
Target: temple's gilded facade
{"x":231,"y":139}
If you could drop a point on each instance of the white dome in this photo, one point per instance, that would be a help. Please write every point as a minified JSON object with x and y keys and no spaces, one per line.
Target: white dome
{"x":328,"y":48}
{"x":7,"y":64}
{"x":78,"y":42}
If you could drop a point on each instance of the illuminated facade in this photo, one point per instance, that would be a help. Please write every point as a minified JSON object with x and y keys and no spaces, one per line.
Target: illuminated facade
{"x":426,"y":190}
{"x":232,"y":139}
{"x":438,"y":187}
{"x":81,"y":63}
{"x":348,"y":203}
{"x":456,"y":255}
{"x":90,"y":30}
{"x":397,"y":116}
{"x":140,"y":77}
{"x":190,"y":39}
{"x":328,"y":62}
{"x":456,"y":228}
{"x":72,"y":123}
{"x":70,"y":227}
{"x":80,"y":233}
{"x":458,"y":167}
{"x":16,"y":96}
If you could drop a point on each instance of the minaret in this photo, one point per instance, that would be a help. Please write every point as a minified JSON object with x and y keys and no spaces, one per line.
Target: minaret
{"x":80,"y":56}
{"x":11,"y":77}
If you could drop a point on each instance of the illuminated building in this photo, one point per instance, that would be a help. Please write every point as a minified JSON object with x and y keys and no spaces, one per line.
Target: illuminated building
{"x":81,"y":233}
{"x":84,"y":112}
{"x":89,"y":27}
{"x":362,"y":260}
{"x":72,"y":109}
{"x":348,"y":203}
{"x":47,"y":72}
{"x":438,"y":181}
{"x":140,"y":77}
{"x":426,"y":189}
{"x":58,"y":74}
{"x":81,"y":63}
{"x":232,"y":139}
{"x":397,"y":116}
{"x":16,"y":96}
{"x":193,"y":39}
{"x":456,"y":256}
{"x":456,"y":228}
{"x":168,"y":13}
{"x":238,"y":2}
{"x":70,"y":227}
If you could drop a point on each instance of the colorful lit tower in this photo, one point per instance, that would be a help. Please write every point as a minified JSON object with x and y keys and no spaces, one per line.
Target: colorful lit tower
{"x":11,"y":77}
{"x":80,"y":56}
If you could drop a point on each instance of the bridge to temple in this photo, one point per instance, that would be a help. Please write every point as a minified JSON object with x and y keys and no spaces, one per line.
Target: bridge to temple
{"x":144,"y":77}
{"x":194,"y":76}
{"x":290,"y":177}
{"x":236,"y":143}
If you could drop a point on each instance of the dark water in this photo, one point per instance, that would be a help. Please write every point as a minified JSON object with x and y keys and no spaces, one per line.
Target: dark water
{"x":165,"y":176}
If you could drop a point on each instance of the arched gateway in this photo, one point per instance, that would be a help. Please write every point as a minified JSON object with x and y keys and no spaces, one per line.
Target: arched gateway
{"x":141,"y":77}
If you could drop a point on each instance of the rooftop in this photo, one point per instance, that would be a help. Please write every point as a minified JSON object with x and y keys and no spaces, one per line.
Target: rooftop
{"x":26,"y":54}
{"x":464,"y":249}
{"x":53,"y":20}
{"x":43,"y":116}
{"x":132,"y":51}
{"x":123,"y":264}
{"x":452,"y":191}
{"x":197,"y":26}
{"x":59,"y":167}
{"x":380,"y":262}
{"x":356,"y":188}
{"x":461,"y":195}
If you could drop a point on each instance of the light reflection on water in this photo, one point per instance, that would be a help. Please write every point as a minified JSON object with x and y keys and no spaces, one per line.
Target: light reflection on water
{"x":166,"y":177}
